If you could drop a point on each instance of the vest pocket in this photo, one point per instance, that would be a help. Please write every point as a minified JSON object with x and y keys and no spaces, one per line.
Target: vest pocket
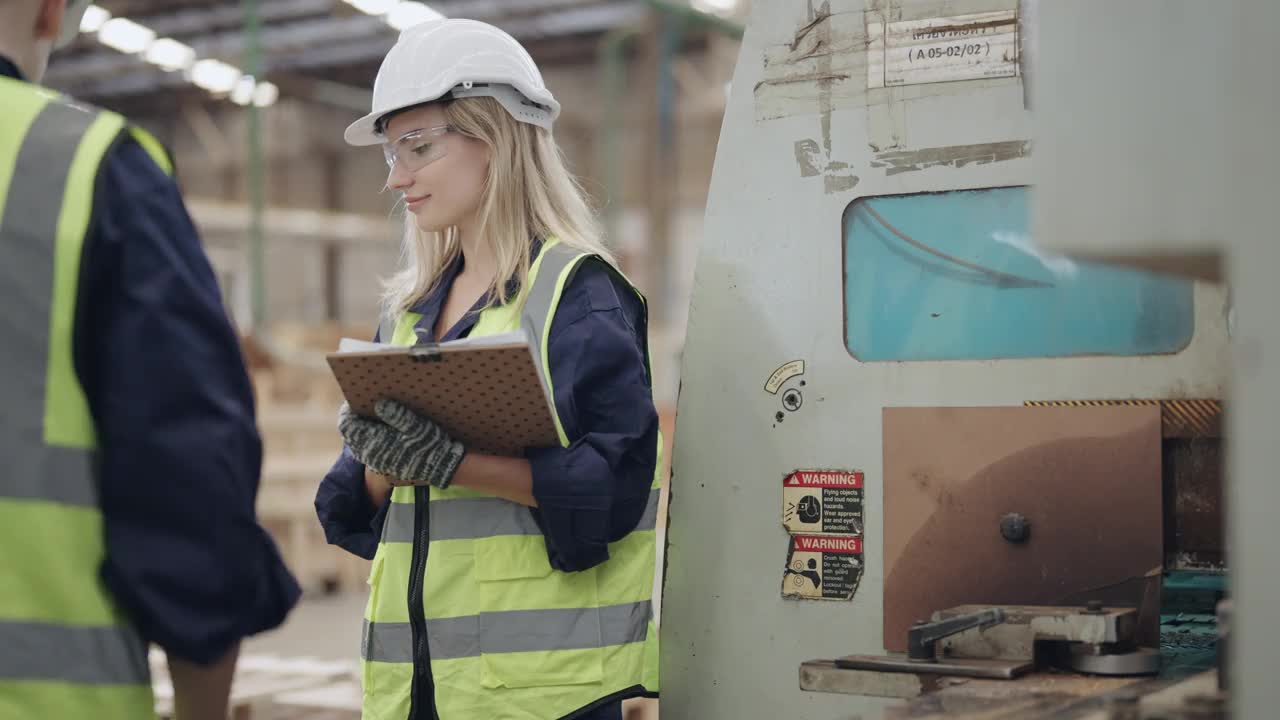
{"x":538,"y":627}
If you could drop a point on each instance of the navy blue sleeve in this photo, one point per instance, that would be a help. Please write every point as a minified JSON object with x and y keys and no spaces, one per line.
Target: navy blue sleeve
{"x":179,"y":448}
{"x":595,"y":491}
{"x":348,"y":517}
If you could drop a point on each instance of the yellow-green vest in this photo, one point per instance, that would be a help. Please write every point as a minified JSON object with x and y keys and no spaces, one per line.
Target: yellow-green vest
{"x":508,"y":637}
{"x":66,"y":651}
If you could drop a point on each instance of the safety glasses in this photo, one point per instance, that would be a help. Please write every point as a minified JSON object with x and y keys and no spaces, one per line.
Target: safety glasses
{"x":417,"y":149}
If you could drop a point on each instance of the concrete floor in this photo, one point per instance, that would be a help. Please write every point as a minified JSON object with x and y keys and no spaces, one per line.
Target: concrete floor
{"x":323,"y":627}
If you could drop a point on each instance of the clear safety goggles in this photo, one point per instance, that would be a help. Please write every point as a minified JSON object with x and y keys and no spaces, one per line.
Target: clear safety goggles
{"x":417,"y":149}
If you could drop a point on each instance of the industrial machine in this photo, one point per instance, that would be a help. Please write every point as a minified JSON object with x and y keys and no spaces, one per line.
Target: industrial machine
{"x":950,"y":440}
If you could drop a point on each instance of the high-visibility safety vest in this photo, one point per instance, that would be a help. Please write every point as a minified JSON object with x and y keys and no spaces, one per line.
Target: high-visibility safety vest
{"x":466,"y":619}
{"x":66,"y":650}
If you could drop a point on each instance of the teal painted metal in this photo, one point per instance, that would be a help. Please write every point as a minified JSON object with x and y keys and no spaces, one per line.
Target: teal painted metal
{"x":961,"y":279}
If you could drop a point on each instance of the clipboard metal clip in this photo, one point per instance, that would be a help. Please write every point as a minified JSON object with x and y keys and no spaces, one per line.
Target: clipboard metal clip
{"x":424,"y":351}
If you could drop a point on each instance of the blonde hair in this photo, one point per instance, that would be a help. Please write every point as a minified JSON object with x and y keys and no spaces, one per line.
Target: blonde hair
{"x":529,"y":195}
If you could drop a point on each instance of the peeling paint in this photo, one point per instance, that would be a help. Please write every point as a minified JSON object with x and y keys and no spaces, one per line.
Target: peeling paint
{"x":819,"y":68}
{"x":833,"y":182}
{"x":810,"y":49}
{"x":808,"y":157}
{"x":839,"y":183}
{"x":826,"y":73}
{"x":810,"y":77}
{"x":825,"y":61}
{"x":812,"y":160}
{"x":817,"y":20}
{"x":956,"y":156}
{"x":887,"y":122}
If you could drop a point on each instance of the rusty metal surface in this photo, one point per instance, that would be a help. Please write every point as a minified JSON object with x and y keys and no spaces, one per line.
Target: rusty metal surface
{"x":901,"y":161}
{"x":1064,"y":697}
{"x":1199,"y":418}
{"x":1039,"y":696}
{"x":1140,"y":661}
{"x":1194,"y":529}
{"x":951,"y":667}
{"x":1036,"y":696}
{"x":1015,"y":638}
{"x":1087,"y":478}
{"x":823,"y":676}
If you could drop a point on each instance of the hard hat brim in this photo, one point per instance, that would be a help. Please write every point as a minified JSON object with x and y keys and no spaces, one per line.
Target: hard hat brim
{"x":365,"y":130}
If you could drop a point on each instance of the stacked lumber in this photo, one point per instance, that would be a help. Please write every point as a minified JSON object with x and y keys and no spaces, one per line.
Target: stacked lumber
{"x":297,"y":403}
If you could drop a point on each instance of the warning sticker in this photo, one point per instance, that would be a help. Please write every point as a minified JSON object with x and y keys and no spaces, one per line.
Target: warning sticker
{"x":822,"y":501}
{"x":822,"y":568}
{"x":783,"y":374}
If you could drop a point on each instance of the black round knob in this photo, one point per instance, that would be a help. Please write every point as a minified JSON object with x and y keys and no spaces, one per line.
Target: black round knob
{"x":1015,"y":528}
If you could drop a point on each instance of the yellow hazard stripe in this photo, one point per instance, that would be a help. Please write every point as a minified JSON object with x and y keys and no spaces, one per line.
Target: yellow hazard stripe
{"x":1179,"y":418}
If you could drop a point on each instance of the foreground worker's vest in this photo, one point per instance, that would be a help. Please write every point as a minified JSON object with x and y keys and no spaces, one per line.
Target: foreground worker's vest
{"x":66,"y":651}
{"x":508,"y":637}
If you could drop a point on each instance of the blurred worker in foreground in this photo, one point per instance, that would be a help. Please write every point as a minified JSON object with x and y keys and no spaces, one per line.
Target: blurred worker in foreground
{"x":129,"y":450}
{"x":500,"y":587}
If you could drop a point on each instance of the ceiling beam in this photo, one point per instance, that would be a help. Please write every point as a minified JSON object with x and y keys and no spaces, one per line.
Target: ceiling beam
{"x":184,"y":23}
{"x":289,"y":25}
{"x":565,"y":23}
{"x":320,"y":43}
{"x":76,"y":72}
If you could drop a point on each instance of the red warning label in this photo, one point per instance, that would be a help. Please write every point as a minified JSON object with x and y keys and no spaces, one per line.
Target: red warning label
{"x":823,"y":501}
{"x":822,"y":568}
{"x":814,"y":543}
{"x":823,"y":479}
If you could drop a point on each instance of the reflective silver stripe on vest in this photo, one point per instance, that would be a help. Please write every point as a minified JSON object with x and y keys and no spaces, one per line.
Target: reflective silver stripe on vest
{"x":386,"y":329}
{"x":81,"y":655}
{"x":28,"y":232}
{"x":32,"y":472}
{"x":511,"y":632}
{"x":536,"y":312}
{"x":481,"y":517}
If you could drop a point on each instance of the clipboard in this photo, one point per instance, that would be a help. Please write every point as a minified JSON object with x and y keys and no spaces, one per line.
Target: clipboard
{"x":486,"y":392}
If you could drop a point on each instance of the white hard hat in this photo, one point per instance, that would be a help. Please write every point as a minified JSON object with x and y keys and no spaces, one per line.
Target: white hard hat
{"x":71,"y":21}
{"x":456,"y":59}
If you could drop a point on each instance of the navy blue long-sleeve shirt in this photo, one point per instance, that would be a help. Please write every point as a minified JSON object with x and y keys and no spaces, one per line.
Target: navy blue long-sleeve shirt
{"x":590,"y":493}
{"x":179,"y":452}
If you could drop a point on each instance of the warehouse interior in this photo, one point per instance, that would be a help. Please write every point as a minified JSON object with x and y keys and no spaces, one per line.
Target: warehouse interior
{"x":251,"y":100}
{"x":956,"y":331}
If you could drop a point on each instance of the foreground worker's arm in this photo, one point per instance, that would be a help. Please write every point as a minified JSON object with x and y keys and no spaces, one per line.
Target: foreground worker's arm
{"x":201,"y":692}
{"x":180,"y":454}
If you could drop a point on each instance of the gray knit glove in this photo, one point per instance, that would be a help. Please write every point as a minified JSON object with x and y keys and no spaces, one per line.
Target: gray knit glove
{"x":401,"y":444}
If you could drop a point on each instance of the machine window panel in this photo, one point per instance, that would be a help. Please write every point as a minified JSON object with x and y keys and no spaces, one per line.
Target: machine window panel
{"x":955,"y":276}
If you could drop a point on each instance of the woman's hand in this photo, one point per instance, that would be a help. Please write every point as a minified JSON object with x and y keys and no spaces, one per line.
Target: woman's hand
{"x":378,"y":486}
{"x":407,"y":448}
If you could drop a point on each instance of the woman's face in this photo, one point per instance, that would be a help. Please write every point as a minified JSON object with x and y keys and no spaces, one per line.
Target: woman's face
{"x":441,"y":174}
